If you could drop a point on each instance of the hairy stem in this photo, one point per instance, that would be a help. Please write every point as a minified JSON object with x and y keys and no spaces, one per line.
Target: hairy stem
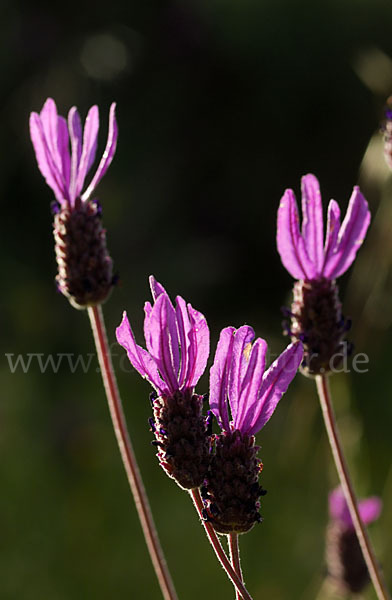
{"x":127,"y":454}
{"x":235,"y":559}
{"x":347,"y":487}
{"x":217,"y":546}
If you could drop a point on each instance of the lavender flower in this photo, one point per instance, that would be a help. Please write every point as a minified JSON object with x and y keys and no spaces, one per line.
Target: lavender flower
{"x":346,"y":566}
{"x":316,"y":314}
{"x":85,"y":267}
{"x":387,"y":131}
{"x":177,"y":340}
{"x":243,"y":397}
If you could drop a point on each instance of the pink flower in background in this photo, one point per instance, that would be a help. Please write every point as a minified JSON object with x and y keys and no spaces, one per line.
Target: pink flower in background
{"x":345,"y":563}
{"x":369,"y":508}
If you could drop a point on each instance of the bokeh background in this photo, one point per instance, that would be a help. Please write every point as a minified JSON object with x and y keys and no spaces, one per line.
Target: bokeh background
{"x":221,"y":106}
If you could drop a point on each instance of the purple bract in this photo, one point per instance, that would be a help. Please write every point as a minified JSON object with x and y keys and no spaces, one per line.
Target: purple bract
{"x":369,"y":509}
{"x":243,"y":396}
{"x":64,"y":171}
{"x":306,"y":255}
{"x":177,"y":341}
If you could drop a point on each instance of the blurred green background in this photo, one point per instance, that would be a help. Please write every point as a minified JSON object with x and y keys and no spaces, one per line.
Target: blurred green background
{"x":221,"y":106}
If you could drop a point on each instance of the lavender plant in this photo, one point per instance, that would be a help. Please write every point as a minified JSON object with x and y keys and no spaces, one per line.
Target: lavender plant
{"x":85,"y":273}
{"x":242,"y":396}
{"x":316,"y":311}
{"x":316,"y":315}
{"x":178,"y":344}
{"x":85,"y":270}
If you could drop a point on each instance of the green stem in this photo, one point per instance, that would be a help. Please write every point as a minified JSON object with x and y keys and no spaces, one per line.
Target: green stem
{"x":347,"y":487}
{"x":127,"y":454}
{"x":217,"y":546}
{"x":235,"y":558}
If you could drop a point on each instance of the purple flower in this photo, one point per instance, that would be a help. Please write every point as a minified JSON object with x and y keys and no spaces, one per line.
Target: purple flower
{"x":306,"y":255}
{"x":177,"y":341}
{"x":346,"y":566}
{"x":243,"y":396}
{"x":178,"y":344}
{"x":316,"y":316}
{"x":64,"y":171}
{"x":369,"y":509}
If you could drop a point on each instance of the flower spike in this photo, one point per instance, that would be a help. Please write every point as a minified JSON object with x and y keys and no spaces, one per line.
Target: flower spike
{"x":177,"y":342}
{"x":85,"y":269}
{"x":243,"y":397}
{"x":316,"y":315}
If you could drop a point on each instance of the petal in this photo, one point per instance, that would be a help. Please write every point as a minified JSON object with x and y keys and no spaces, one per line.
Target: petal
{"x":44,"y":158}
{"x":90,"y":135}
{"x":370,"y":509}
{"x":51,"y":123}
{"x":63,"y":146}
{"x":250,"y":387}
{"x":290,"y":243}
{"x":162,"y":340}
{"x":338,"y":509}
{"x":219,"y":374}
{"x":75,"y":132}
{"x":312,"y":224}
{"x":333,"y":226}
{"x":199,"y":348}
{"x":239,"y":364}
{"x":275,"y":383}
{"x":156,"y":288}
{"x":351,"y":236}
{"x":139,"y":358}
{"x":184,"y":333}
{"x":108,"y":154}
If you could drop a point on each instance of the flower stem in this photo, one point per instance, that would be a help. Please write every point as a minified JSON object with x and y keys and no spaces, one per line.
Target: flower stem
{"x":127,"y":454}
{"x":235,"y":558}
{"x":347,"y":487}
{"x":217,"y":546}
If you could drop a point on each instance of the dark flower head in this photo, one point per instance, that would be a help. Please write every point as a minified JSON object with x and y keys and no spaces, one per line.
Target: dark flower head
{"x":243,"y":395}
{"x":177,"y":340}
{"x":305,"y":254}
{"x":64,"y":171}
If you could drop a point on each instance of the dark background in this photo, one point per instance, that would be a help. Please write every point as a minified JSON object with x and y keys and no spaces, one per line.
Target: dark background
{"x":221,"y":106}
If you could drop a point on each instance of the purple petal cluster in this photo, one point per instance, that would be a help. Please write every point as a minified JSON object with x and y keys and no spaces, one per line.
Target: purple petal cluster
{"x":177,"y":340}
{"x":369,"y":508}
{"x":243,"y":396}
{"x":306,"y":255}
{"x":64,"y":171}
